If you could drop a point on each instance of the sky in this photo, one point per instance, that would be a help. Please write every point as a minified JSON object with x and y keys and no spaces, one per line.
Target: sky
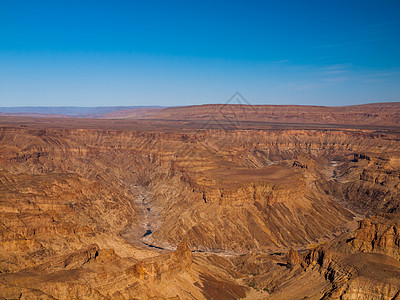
{"x":172,"y":53}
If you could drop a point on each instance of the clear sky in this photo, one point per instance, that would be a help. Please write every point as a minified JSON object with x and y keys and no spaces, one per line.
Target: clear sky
{"x":105,"y":53}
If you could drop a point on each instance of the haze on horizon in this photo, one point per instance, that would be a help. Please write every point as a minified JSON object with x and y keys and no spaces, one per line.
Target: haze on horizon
{"x":122,"y":53}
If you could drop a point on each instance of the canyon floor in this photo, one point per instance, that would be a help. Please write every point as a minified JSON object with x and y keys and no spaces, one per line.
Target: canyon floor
{"x":207,"y":202}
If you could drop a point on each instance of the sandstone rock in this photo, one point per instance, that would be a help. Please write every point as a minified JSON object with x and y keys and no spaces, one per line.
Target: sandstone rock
{"x":292,"y":258}
{"x":378,"y":235}
{"x":163,"y":265}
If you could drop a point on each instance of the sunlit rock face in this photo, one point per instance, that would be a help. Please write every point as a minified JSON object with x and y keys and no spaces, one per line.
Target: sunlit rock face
{"x":111,"y":213}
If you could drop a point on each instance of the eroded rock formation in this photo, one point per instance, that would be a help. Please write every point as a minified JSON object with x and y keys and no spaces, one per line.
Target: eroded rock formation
{"x":101,"y":213}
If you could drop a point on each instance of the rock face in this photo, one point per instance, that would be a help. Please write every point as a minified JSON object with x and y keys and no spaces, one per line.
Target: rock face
{"x":101,"y":213}
{"x":357,"y":275}
{"x":379,"y":235}
{"x":368,"y":183}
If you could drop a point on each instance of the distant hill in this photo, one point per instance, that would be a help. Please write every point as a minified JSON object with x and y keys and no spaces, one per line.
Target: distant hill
{"x":386,"y":114}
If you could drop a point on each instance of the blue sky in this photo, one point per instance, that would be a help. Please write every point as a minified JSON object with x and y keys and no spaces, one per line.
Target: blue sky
{"x":104,"y":53}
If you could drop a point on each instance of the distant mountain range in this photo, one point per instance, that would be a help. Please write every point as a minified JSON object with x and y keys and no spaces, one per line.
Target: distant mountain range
{"x":68,"y":111}
{"x":376,"y":114}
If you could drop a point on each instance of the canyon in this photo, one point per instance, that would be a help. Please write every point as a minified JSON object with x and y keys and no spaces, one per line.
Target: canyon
{"x":202,"y":202}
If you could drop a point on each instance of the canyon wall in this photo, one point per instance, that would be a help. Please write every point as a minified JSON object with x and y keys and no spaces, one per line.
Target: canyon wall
{"x":99,"y":213}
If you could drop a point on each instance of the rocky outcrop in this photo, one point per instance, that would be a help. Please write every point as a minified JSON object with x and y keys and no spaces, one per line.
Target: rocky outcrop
{"x":347,"y":267}
{"x":292,"y":258}
{"x":164,"y":265}
{"x":378,"y":235}
{"x":298,"y":164}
